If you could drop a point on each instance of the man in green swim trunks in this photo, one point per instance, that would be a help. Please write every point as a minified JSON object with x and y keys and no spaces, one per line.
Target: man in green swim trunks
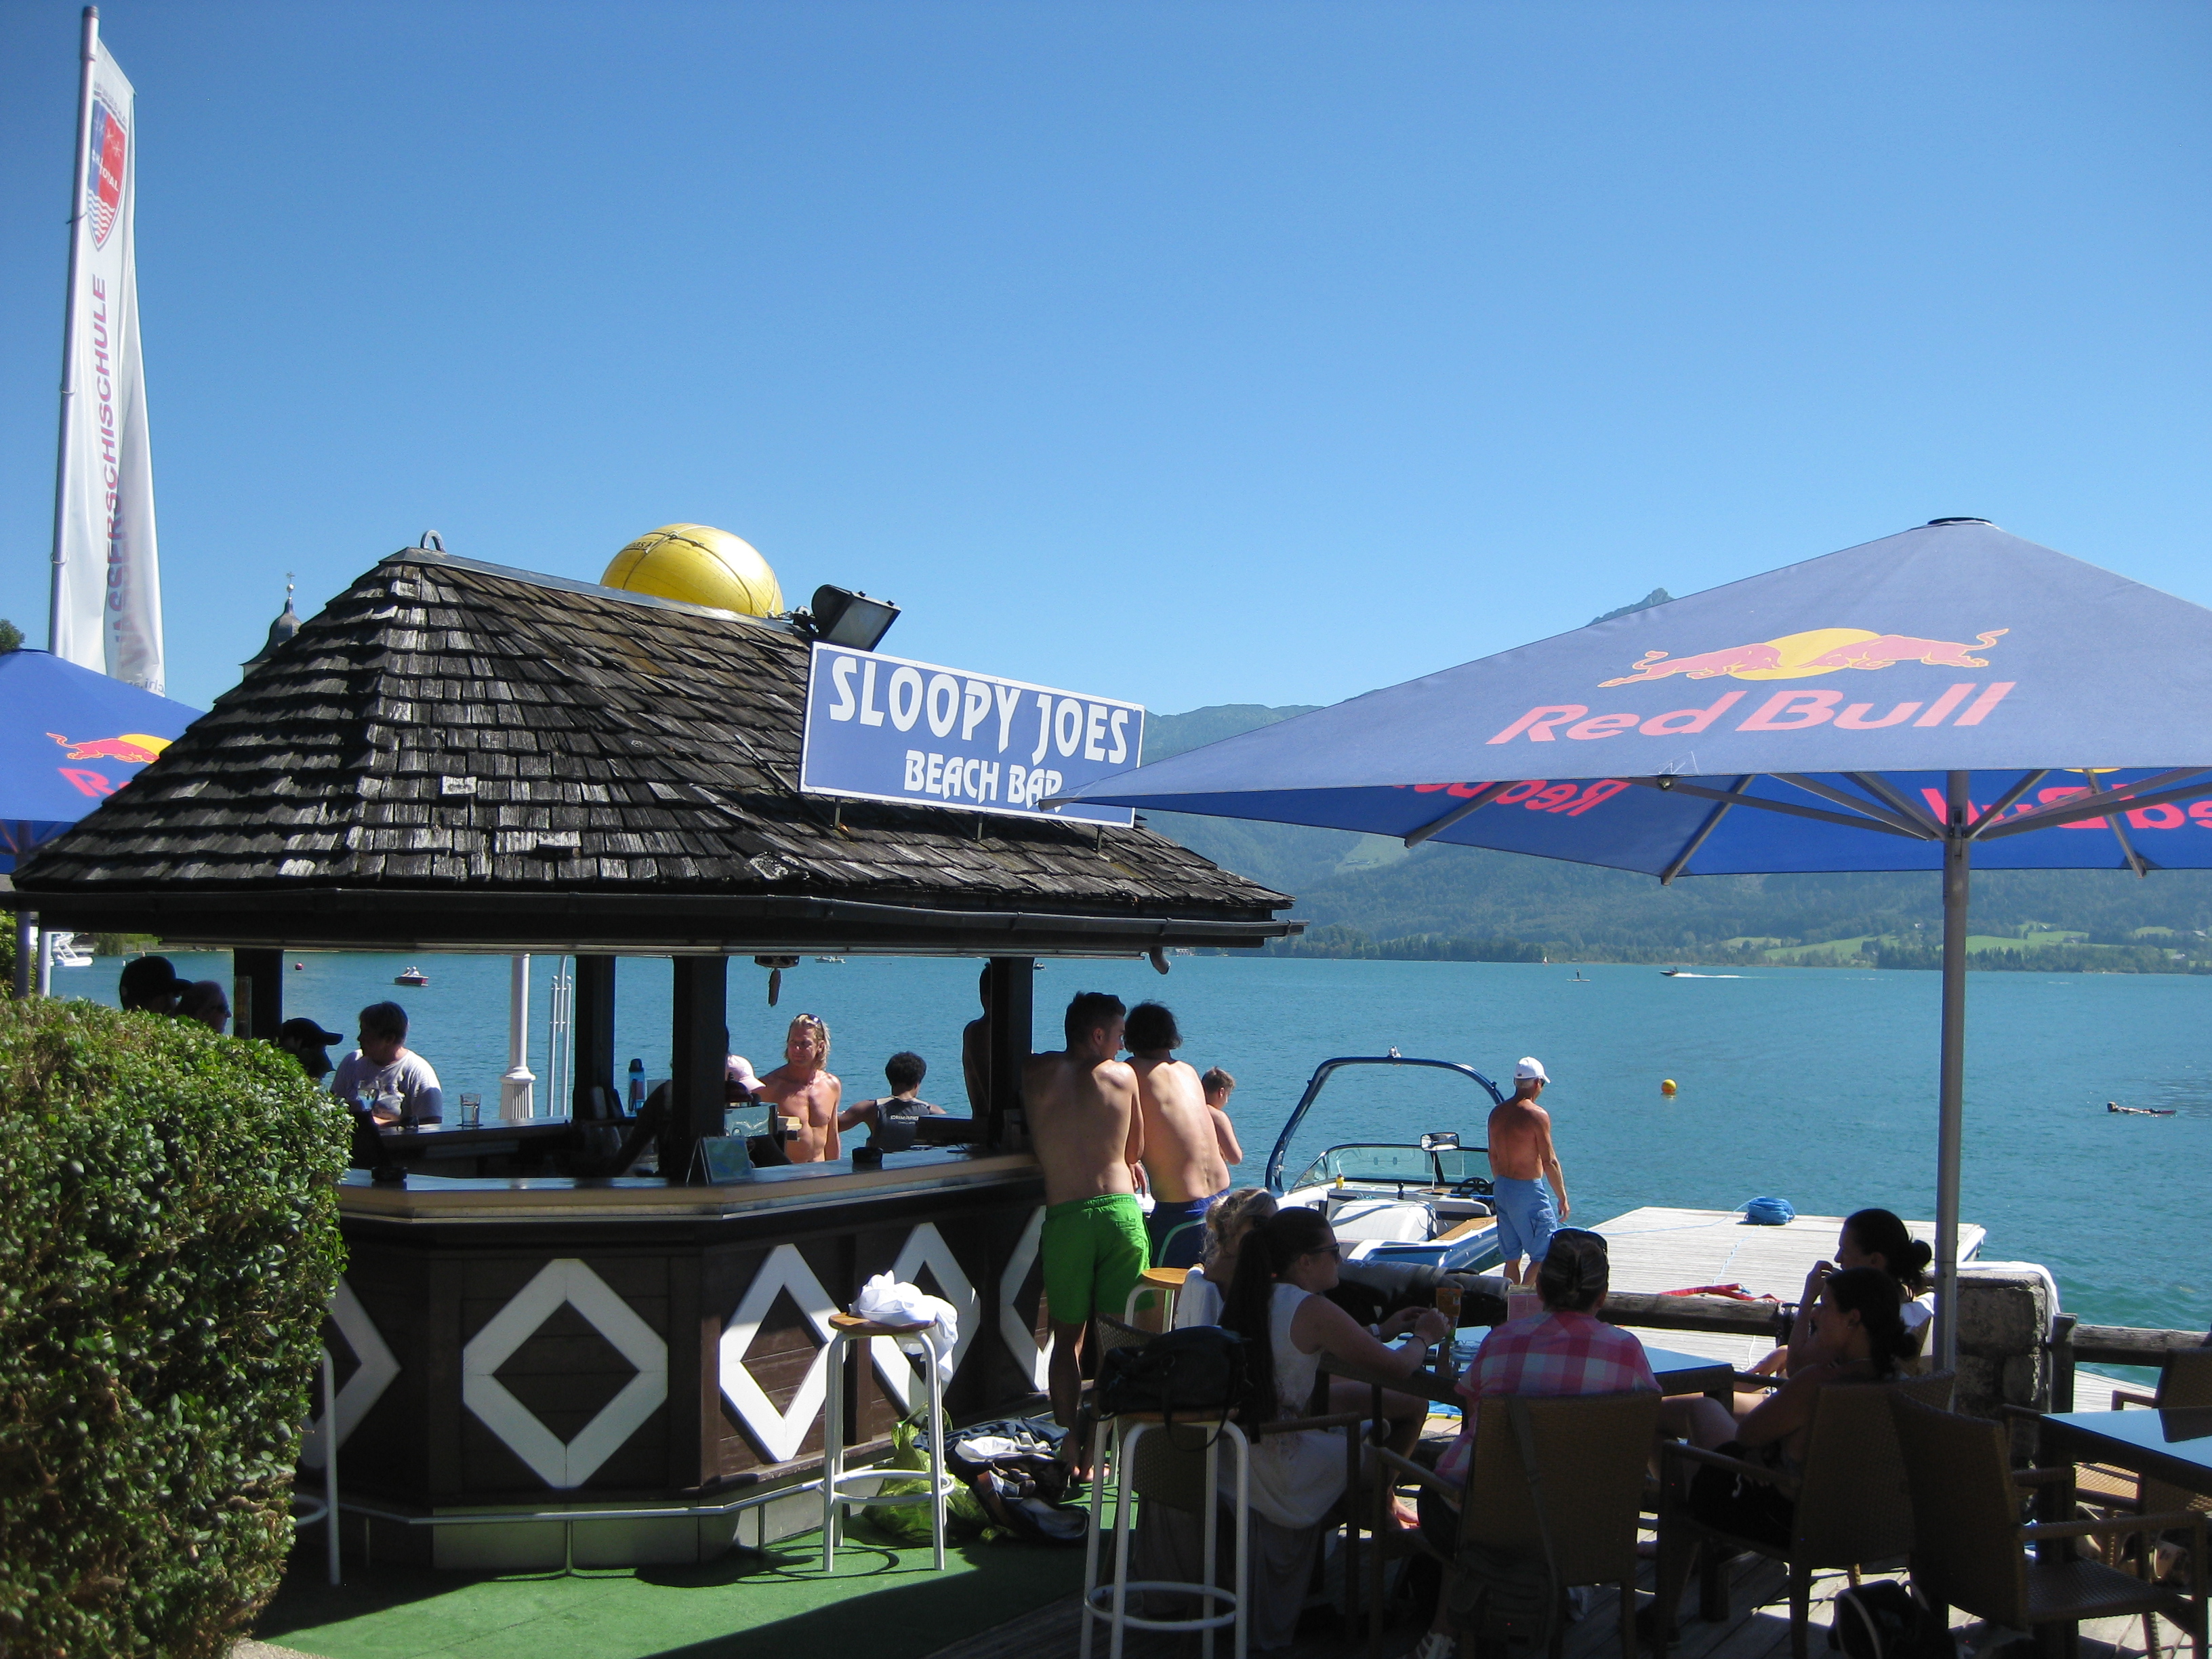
{"x":1087,"y":1133}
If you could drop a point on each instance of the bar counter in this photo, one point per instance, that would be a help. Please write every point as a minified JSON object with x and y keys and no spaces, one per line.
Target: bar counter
{"x":534,"y":1343}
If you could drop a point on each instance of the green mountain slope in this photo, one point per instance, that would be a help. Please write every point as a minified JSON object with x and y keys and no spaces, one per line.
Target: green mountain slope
{"x":1358,"y":892}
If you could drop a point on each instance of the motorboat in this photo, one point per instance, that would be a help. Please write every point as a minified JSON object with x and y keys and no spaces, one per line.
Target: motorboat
{"x":412,"y":976}
{"x":1425,"y":1201}
{"x":67,"y":952}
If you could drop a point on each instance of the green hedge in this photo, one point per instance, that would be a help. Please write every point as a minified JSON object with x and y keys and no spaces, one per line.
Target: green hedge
{"x":169,"y":1238}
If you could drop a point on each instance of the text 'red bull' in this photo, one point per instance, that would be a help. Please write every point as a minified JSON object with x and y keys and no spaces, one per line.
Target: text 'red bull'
{"x":1785,"y":711}
{"x":1536,"y":794}
{"x":2165,"y":815}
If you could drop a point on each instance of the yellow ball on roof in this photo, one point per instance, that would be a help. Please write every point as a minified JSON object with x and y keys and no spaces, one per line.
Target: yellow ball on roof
{"x":700,"y":565}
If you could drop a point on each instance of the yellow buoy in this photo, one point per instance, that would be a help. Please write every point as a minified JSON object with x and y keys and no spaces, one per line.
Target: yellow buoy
{"x":1665,"y":1085}
{"x":700,"y":565}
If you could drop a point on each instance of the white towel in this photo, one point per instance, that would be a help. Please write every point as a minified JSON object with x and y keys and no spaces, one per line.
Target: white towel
{"x":888,"y":1302}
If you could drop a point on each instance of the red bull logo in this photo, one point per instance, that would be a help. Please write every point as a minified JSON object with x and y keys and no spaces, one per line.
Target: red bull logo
{"x":1817,"y":651}
{"x":131,"y":748}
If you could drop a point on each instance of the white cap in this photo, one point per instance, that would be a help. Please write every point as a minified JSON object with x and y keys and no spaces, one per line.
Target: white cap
{"x":736,"y":1069}
{"x":1530,"y":1070}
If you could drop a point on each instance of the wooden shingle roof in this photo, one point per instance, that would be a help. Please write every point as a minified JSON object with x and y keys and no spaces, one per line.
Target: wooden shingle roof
{"x":453,"y":753}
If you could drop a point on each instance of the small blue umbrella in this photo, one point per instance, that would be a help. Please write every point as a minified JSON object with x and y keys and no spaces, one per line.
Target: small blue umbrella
{"x":70,"y":738}
{"x":1934,"y":699}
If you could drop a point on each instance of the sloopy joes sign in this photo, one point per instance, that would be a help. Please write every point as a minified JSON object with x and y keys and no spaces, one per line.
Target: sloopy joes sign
{"x":884,"y":728}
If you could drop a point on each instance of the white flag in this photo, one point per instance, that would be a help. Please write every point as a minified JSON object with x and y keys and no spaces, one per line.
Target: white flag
{"x":107,"y":578}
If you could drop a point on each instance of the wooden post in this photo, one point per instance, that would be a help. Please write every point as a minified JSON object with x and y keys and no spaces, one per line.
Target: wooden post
{"x":256,"y":994}
{"x":595,"y":1033}
{"x":1013,"y":989}
{"x":697,"y":1057}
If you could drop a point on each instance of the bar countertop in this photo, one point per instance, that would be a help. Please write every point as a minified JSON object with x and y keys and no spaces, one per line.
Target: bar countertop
{"x":792,"y":1187}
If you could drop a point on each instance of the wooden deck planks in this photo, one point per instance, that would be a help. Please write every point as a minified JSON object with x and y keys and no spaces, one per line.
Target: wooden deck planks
{"x":1758,"y":1628}
{"x":1656,"y":1249}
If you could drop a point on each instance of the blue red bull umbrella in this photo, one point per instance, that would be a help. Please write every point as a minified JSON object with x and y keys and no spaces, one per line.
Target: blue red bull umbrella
{"x":1948,"y":697}
{"x":70,"y":738}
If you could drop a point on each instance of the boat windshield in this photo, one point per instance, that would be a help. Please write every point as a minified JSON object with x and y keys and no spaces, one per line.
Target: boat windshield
{"x":1364,"y":1119}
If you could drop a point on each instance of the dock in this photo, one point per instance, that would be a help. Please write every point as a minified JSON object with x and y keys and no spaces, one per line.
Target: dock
{"x":1656,"y":1249}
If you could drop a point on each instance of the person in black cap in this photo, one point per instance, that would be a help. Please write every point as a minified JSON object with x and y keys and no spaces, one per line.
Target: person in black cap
{"x":148,"y":985}
{"x":304,"y":1042}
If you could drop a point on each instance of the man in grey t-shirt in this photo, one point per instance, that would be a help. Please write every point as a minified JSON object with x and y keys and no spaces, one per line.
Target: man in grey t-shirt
{"x":384,"y":1066}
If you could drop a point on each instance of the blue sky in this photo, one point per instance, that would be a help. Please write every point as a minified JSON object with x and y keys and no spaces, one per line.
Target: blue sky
{"x":1194,"y":354}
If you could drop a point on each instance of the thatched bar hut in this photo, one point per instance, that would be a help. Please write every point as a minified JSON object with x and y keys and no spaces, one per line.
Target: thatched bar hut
{"x":457,"y":757}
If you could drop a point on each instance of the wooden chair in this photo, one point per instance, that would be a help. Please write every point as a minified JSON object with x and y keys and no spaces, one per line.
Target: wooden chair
{"x":1591,"y":1450}
{"x":1850,"y":1507}
{"x":1970,"y":1546}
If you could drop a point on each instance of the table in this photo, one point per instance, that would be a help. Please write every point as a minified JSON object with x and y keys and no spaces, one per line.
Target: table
{"x":2173,"y":1446}
{"x":439,"y":1142}
{"x":1677,"y":1373}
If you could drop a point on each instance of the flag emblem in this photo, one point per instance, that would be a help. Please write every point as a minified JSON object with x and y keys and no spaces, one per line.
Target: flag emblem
{"x":103,"y":184}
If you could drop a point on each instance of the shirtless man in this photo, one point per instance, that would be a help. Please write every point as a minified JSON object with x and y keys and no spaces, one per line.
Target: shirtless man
{"x":975,"y":1051}
{"x":1087,"y":1132}
{"x":1218,"y":1086}
{"x":801,"y":1089}
{"x":1521,"y":1159}
{"x":1182,"y":1156}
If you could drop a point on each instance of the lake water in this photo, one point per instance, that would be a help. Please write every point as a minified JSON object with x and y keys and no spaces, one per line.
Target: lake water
{"x":1817,"y":1085}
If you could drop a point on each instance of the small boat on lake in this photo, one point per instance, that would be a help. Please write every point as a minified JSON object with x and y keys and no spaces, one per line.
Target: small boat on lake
{"x":2138,"y":1111}
{"x":412,"y":976}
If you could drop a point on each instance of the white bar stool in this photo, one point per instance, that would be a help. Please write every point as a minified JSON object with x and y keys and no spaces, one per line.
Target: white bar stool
{"x":1162,"y":1284}
{"x":846,"y":1328}
{"x":1129,"y":1429}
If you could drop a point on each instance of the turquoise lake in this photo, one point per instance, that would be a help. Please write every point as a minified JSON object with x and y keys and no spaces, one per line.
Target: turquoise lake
{"x":1816,"y":1085}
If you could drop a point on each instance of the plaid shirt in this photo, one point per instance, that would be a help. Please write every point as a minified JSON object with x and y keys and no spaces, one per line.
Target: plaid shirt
{"x":1560,"y":1353}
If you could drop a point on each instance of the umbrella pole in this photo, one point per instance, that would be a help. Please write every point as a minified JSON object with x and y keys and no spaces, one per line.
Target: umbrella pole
{"x":1957,"y":854}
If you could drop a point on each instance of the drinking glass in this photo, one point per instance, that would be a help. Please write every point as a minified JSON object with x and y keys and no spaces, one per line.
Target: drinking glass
{"x":471,"y":1111}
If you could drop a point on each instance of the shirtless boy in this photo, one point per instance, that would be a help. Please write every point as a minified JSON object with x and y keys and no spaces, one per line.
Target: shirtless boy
{"x":1218,"y":1086}
{"x":1087,"y":1132}
{"x":1182,"y":1156}
{"x":1521,"y":1158}
{"x":800,"y":1088}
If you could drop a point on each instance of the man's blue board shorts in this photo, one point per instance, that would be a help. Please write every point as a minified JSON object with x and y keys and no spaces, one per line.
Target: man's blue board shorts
{"x":1177,"y":1230}
{"x":1526,"y":1220}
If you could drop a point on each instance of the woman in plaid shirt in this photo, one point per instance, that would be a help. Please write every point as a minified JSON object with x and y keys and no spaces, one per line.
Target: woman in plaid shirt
{"x":1568,"y":1350}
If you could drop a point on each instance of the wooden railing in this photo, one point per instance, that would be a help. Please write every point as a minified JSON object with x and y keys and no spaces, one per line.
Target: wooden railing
{"x":2106,"y":1345}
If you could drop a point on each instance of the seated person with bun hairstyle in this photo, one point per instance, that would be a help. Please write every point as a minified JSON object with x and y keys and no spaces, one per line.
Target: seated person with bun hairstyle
{"x":1857,"y":1335}
{"x":1870,"y":1238}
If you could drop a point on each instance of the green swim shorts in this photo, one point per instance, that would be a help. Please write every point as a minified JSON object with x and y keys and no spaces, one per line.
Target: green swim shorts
{"x":1094,"y":1248}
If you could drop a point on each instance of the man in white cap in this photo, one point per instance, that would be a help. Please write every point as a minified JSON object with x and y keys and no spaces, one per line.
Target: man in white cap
{"x":1521,"y":1159}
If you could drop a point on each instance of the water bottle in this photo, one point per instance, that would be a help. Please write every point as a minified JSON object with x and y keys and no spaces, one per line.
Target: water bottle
{"x":637,"y":1085}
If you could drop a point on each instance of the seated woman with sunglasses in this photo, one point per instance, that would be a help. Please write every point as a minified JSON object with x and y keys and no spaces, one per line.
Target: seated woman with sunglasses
{"x":1276,"y":1304}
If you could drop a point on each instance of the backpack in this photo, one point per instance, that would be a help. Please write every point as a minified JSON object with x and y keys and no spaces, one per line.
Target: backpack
{"x":1198,"y":1371}
{"x":1885,"y":1620}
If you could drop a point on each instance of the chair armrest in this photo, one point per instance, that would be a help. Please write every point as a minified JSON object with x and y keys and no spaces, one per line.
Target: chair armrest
{"x":1676,"y":1449}
{"x":1747,"y":1380}
{"x":2040,"y":1477}
{"x":2119,"y":1527}
{"x":2123,"y":1397}
{"x":1426,"y":1476}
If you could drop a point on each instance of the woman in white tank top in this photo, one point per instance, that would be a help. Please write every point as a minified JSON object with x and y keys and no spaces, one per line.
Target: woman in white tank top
{"x":1275,"y":1302}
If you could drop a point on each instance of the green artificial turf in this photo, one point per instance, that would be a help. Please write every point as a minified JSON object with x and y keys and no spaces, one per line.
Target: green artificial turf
{"x":880,"y":1603}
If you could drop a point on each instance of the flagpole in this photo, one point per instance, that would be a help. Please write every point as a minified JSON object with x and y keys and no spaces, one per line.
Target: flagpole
{"x":90,"y":53}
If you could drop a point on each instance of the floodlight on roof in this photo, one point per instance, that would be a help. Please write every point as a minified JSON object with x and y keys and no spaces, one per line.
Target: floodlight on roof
{"x":845,"y":618}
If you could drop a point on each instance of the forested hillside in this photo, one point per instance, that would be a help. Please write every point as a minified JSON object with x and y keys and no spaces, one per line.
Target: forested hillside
{"x":1367,"y":895}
